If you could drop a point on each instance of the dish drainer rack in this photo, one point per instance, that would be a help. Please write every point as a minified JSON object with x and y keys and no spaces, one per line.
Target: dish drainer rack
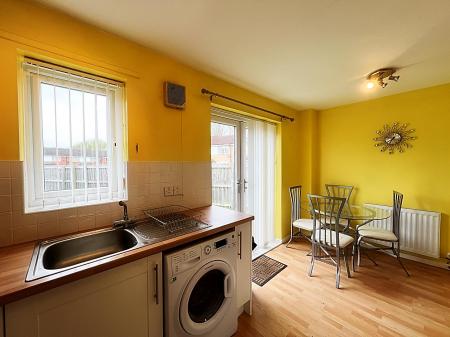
{"x":174,"y":218}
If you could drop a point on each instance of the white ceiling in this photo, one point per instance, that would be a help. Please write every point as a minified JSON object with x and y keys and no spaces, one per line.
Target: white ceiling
{"x":304,"y":53}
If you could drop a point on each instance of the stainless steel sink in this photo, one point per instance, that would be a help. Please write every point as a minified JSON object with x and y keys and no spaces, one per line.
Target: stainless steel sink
{"x":54,"y":256}
{"x":74,"y":251}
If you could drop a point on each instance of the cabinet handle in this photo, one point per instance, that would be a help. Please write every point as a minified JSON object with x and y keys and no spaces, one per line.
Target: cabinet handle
{"x":156,"y":295}
{"x":240,"y":245}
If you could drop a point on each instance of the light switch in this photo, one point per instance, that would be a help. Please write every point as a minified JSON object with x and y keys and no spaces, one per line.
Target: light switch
{"x":168,"y":191}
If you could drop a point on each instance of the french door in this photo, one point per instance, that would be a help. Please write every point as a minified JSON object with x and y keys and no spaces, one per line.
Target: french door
{"x":243,"y":170}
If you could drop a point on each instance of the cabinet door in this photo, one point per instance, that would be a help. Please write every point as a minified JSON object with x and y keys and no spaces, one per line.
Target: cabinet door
{"x":155,"y":306}
{"x":244,"y":266}
{"x":114,"y":303}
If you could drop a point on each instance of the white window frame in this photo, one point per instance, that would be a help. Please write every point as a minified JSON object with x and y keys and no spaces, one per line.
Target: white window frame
{"x":35,"y":199}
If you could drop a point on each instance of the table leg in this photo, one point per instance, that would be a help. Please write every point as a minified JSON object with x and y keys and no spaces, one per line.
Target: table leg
{"x":356,"y":246}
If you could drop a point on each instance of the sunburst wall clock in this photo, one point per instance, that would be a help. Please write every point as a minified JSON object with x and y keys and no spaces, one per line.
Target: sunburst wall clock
{"x":395,"y":137}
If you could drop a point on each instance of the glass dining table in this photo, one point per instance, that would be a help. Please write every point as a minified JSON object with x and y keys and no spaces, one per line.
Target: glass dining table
{"x":354,"y":216}
{"x":362,"y":214}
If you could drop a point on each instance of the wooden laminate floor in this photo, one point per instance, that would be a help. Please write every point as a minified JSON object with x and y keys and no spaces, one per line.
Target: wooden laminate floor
{"x":377,"y":301}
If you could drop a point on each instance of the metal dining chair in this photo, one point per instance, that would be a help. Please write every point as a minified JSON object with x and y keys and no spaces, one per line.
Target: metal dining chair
{"x":367,"y":233}
{"x":327,"y":237}
{"x":295,"y":193}
{"x":339,"y":191}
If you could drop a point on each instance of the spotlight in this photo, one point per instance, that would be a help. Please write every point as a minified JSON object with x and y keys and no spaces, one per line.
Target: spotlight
{"x":393,"y":78}
{"x":382,"y":83}
{"x":370,"y":85}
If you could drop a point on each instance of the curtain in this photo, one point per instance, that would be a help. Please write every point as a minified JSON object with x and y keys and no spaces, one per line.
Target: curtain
{"x":260,"y":176}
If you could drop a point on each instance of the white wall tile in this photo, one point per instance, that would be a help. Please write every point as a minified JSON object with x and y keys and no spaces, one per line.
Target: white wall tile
{"x":5,"y":203}
{"x":25,"y":233}
{"x":67,"y":213}
{"x":103,"y":220}
{"x":5,"y":220}
{"x":22,"y":219}
{"x":86,"y":223}
{"x":17,"y":186}
{"x":48,"y":217}
{"x":16,"y":169}
{"x":6,"y":236}
{"x":5,"y":186}
{"x":17,"y":203}
{"x":47,"y":229}
{"x":86,"y":210}
{"x":68,"y":225}
{"x":5,"y":171}
{"x":146,"y":190}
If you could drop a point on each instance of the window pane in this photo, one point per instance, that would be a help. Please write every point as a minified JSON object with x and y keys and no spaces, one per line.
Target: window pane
{"x":223,"y":165}
{"x":73,"y":137}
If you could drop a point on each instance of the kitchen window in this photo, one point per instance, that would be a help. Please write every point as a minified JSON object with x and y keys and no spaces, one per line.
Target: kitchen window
{"x":74,"y":129}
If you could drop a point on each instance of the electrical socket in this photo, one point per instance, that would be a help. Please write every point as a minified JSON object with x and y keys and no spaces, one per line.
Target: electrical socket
{"x":168,"y":191}
{"x":177,"y":190}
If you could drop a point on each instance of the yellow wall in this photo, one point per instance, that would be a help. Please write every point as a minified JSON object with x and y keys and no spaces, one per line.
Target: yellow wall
{"x":30,"y":29}
{"x":347,"y":154}
{"x":319,"y":147}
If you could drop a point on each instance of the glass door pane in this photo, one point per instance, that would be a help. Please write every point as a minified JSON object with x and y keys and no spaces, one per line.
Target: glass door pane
{"x":225,"y":162}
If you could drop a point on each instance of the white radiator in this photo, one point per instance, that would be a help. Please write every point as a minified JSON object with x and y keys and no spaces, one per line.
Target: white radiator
{"x":419,"y":230}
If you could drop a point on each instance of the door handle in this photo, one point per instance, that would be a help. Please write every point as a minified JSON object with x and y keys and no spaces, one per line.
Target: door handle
{"x":156,"y":294}
{"x":226,"y":286}
{"x":238,"y":183}
{"x":240,"y":245}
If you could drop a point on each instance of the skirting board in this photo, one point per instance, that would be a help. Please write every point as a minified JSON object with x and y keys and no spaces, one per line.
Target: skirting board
{"x":440,"y":263}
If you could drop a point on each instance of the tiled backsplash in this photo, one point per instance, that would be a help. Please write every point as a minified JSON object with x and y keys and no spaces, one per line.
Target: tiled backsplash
{"x":146,"y":183}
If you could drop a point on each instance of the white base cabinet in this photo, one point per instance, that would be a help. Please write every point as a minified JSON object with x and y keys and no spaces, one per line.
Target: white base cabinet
{"x":124,"y":301}
{"x":244,"y":267}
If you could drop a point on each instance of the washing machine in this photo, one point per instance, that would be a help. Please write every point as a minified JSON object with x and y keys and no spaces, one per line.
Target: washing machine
{"x":200,"y":289}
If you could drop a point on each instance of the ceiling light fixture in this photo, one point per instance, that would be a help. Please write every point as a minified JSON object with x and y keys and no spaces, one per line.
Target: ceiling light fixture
{"x":379,"y":76}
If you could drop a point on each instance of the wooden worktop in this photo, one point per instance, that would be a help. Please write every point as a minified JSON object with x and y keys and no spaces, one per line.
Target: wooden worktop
{"x":15,"y":260}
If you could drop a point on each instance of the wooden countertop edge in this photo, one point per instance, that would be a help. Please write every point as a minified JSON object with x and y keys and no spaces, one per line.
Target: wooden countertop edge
{"x":25,"y":289}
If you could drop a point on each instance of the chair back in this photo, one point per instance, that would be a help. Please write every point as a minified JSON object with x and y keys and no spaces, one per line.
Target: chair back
{"x":340,"y":191}
{"x":295,"y":193}
{"x":396,"y":213}
{"x":326,"y":213}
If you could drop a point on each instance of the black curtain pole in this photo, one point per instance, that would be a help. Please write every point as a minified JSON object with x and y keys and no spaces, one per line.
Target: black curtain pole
{"x":212,"y":94}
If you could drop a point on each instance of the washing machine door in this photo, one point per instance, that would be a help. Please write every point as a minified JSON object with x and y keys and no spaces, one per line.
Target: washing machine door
{"x":207,"y":297}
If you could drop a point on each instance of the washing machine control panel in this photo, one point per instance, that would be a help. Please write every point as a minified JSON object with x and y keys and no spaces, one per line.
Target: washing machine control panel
{"x":207,"y":250}
{"x":188,"y":258}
